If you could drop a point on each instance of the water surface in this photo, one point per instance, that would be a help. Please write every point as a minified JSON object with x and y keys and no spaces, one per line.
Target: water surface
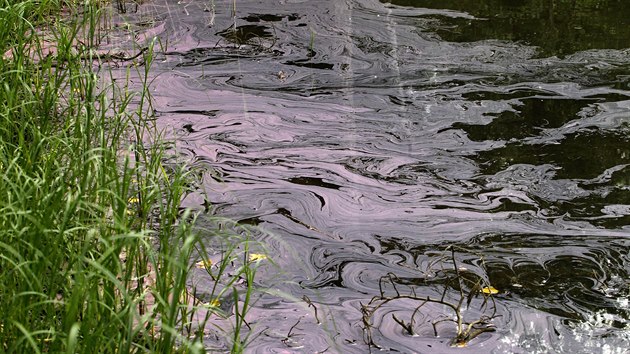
{"x":362,"y":138}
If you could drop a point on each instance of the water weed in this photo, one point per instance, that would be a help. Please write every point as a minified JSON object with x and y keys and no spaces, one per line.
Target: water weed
{"x":460,"y":289}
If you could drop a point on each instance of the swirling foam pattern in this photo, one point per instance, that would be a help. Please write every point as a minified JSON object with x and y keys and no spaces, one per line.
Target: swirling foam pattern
{"x":363,"y":144}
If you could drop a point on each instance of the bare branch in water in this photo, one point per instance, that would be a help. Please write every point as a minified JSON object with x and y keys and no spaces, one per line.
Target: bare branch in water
{"x":467,"y":290}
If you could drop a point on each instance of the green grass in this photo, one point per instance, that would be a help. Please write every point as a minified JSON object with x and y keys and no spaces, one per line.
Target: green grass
{"x":95,"y":251}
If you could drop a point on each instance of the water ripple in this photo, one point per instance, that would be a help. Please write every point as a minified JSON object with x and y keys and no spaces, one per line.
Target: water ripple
{"x":356,"y":142}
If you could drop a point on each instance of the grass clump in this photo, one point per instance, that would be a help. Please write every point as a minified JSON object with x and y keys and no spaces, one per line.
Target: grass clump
{"x":94,"y":248}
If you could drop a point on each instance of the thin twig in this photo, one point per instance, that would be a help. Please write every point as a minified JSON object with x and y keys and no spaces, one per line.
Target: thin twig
{"x":310,"y":303}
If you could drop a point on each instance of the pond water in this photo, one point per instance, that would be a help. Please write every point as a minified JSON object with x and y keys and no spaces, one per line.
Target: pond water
{"x":363,"y":138}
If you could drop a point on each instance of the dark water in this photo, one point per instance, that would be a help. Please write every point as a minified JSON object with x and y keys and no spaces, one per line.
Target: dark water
{"x":361,"y":138}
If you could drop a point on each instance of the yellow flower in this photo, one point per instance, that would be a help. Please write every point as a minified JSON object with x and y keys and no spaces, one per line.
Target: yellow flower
{"x":489,"y":290}
{"x":133,"y":200}
{"x":214,"y":303}
{"x":203,"y":264}
{"x":257,"y":257}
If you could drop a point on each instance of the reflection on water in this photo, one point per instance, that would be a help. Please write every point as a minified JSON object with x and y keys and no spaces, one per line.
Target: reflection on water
{"x":361,"y":138}
{"x":557,"y":27}
{"x":581,"y":155}
{"x":528,"y":118}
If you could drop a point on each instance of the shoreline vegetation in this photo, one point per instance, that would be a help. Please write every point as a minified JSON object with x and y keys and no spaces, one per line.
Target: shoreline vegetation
{"x":95,"y":249}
